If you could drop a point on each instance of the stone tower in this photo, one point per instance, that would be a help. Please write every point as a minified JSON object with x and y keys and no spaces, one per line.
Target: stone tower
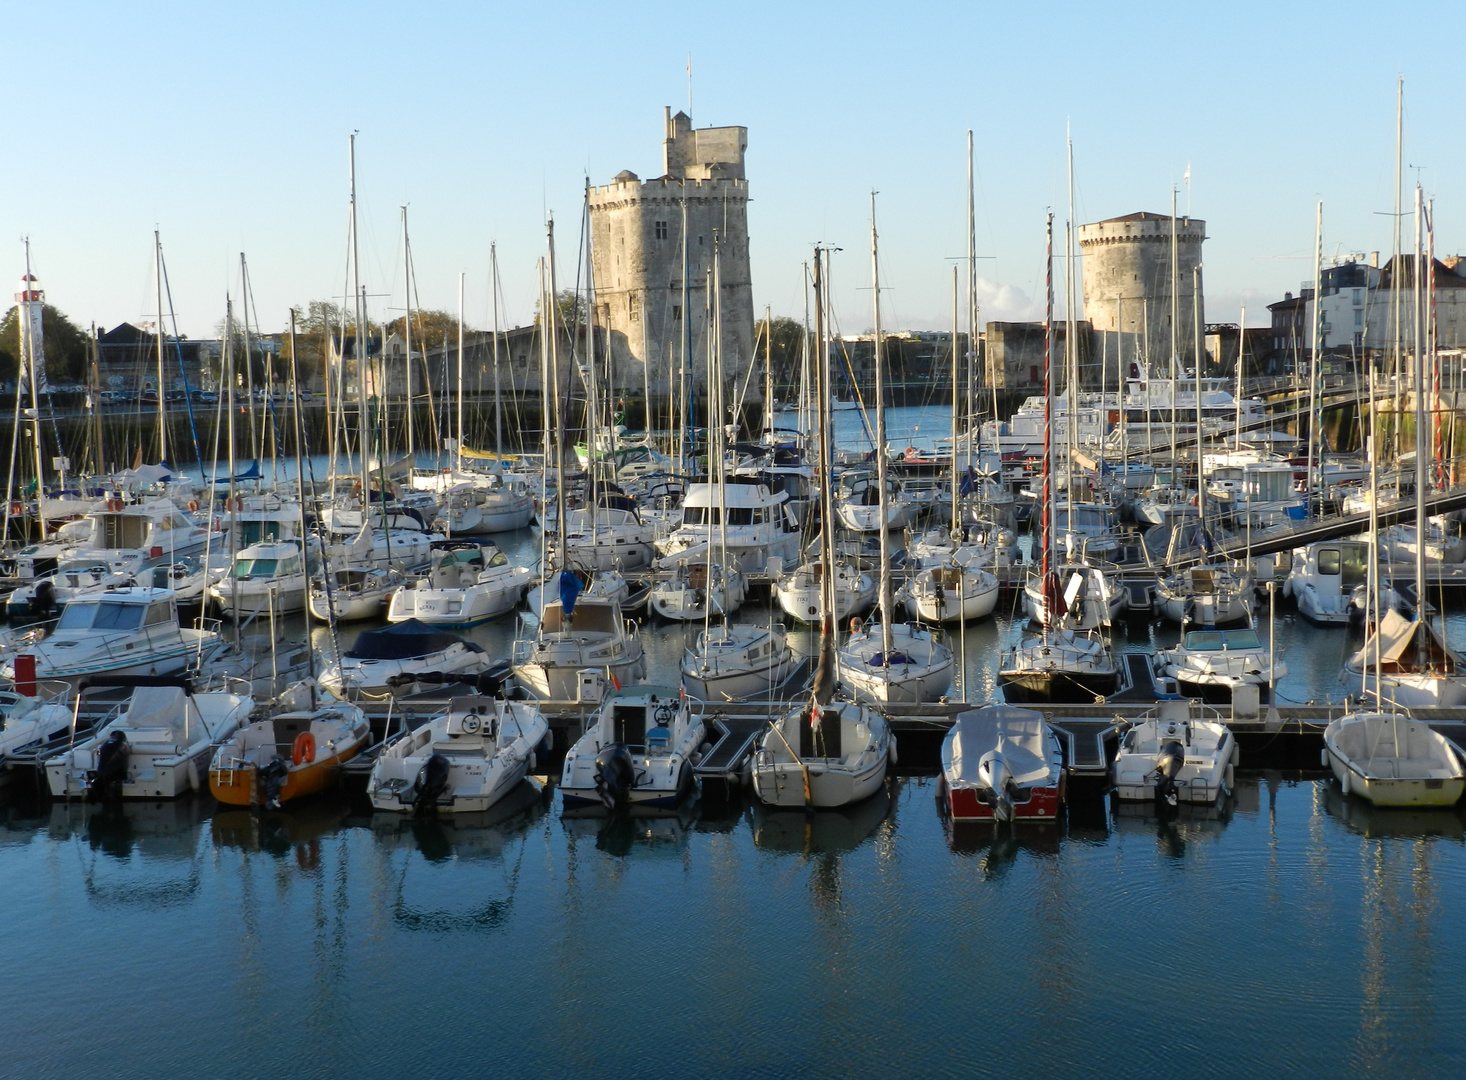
{"x":1127,"y":287}
{"x":640,"y":248}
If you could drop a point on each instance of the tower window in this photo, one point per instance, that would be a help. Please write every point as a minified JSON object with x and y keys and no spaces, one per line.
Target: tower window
{"x":661,"y":230}
{"x":676,"y":312}
{"x":699,"y":241}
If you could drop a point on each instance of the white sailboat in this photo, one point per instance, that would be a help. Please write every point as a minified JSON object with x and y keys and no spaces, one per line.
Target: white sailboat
{"x":738,"y":661}
{"x":1392,"y":759}
{"x":893,"y":663}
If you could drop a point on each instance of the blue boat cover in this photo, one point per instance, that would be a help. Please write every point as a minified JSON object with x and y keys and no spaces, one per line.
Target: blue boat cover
{"x":400,"y":642}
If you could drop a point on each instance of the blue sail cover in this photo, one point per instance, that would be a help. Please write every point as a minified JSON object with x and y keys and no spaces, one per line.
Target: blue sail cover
{"x":570,"y":588}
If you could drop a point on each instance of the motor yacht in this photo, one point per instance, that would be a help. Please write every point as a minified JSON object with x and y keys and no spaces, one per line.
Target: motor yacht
{"x":471,"y":581}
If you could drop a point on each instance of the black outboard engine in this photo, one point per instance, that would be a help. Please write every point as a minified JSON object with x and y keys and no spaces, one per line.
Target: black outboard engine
{"x":111,"y":766}
{"x":431,"y":782}
{"x":615,"y":775}
{"x":1168,"y":765}
{"x":43,"y":600}
{"x":271,"y":779}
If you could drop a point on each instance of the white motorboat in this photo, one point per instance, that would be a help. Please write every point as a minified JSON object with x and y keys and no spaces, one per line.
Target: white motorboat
{"x":1416,"y":666}
{"x":81,"y":573}
{"x":355,"y":592}
{"x":1175,"y":756}
{"x":471,"y":581}
{"x":384,"y":661}
{"x":801,"y":593}
{"x":695,"y":589}
{"x":28,"y":720}
{"x":1391,"y":759}
{"x":1398,"y":544}
{"x":463,"y":760}
{"x":638,"y":750}
{"x":124,"y":632}
{"x":1210,"y":595}
{"x":1001,"y":764}
{"x":591,"y":634}
{"x":1324,"y":577}
{"x":862,"y":508}
{"x":158,"y":747}
{"x":950,"y":593}
{"x":265,"y":578}
{"x":759,"y":525}
{"x":1167,"y":506}
{"x":1212,"y":664}
{"x":822,"y":755}
{"x":738,"y":661}
{"x":903,"y":665}
{"x":154,"y":525}
{"x":296,"y":751}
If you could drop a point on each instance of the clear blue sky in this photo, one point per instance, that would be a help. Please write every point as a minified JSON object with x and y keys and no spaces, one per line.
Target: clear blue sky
{"x":225,"y":127}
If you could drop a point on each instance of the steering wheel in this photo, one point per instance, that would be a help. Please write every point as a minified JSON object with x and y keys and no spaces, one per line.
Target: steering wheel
{"x":663,"y":715}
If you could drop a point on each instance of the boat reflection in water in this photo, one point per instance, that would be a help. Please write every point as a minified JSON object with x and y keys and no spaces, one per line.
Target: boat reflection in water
{"x":1379,"y":822}
{"x":163,"y":834}
{"x":458,"y":872}
{"x":298,"y":830}
{"x":1174,"y":828}
{"x":828,"y":831}
{"x":632,"y":828}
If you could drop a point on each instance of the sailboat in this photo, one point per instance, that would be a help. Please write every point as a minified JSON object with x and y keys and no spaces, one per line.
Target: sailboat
{"x":897,"y":663}
{"x":824,"y":752}
{"x":1061,"y":663}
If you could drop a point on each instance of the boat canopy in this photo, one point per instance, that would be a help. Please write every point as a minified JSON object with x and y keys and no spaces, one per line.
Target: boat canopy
{"x":1017,"y":734}
{"x":401,"y":642}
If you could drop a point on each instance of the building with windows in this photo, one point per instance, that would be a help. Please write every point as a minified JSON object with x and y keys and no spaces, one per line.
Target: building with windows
{"x":648,"y":236}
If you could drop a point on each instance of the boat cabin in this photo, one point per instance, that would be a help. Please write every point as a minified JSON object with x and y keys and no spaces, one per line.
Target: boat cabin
{"x":129,"y":609}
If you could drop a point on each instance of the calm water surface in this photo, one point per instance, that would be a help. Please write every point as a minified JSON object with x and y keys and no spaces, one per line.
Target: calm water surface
{"x":1291,"y":932}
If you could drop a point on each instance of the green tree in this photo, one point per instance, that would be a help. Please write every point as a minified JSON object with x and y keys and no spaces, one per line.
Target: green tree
{"x":569,"y":308}
{"x":428,"y":329}
{"x":65,"y":346}
{"x":787,"y":339}
{"x":315,"y":325}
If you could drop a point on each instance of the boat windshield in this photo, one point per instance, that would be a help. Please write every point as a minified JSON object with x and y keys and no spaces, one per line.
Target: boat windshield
{"x":245,"y":569}
{"x":103,"y":616}
{"x":1214,"y":640}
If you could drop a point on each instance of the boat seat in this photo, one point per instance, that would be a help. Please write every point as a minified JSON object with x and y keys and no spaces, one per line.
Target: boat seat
{"x":658,"y":738}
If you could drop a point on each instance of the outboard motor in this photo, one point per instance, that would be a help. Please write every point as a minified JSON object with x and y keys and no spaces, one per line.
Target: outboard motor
{"x":431,"y":782}
{"x":997,"y":794}
{"x":43,"y":600}
{"x":615,"y":775}
{"x":111,"y":765}
{"x":270,"y":780}
{"x":1168,"y":764}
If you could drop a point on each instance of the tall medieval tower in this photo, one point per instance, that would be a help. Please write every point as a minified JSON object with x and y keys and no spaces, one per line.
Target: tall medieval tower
{"x":649,"y":235}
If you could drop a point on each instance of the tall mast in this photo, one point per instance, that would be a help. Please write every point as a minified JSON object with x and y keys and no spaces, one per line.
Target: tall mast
{"x":1175,"y":328}
{"x":361,"y":349}
{"x":1241,"y":368}
{"x":407,"y":335}
{"x":1071,"y":350}
{"x":768,"y":368}
{"x":683,"y":415}
{"x":458,"y":444}
{"x":880,"y":448}
{"x":1315,"y":423}
{"x":557,"y":435}
{"x":972,"y":300}
{"x":1047,"y":586}
{"x":229,"y":408}
{"x":1395,"y":255}
{"x":29,"y":295}
{"x":956,"y":508}
{"x":95,"y":378}
{"x":162,"y":410}
{"x":256,"y":436}
{"x":498,"y":401}
{"x":1198,"y":345}
{"x":824,"y":684}
{"x":1418,"y":378}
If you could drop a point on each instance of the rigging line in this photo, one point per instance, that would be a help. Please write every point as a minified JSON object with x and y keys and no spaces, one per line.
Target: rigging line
{"x":178,"y":348}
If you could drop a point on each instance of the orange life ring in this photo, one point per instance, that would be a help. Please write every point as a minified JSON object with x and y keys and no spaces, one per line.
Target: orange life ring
{"x":114,"y":504}
{"x":193,"y":504}
{"x":304,"y":750}
{"x":239,"y":502}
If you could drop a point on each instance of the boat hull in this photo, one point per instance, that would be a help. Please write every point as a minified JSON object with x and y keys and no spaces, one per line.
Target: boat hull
{"x":239,"y":787}
{"x":966,"y":804}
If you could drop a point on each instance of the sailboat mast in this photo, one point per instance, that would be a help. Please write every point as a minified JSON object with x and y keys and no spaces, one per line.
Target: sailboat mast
{"x":880,"y":439}
{"x":1419,"y":379}
{"x":1175,"y":328}
{"x":361,"y":349}
{"x":162,"y":408}
{"x":552,"y":337}
{"x":768,"y":368}
{"x":407,"y":335}
{"x":498,"y":397}
{"x":1071,"y":350}
{"x":233,"y":505}
{"x":1314,"y":420}
{"x":458,"y":424}
{"x":1198,"y":345}
{"x":683,"y":434}
{"x":956,"y":508}
{"x":1047,"y":525}
{"x":824,"y":675}
{"x":972,"y":302}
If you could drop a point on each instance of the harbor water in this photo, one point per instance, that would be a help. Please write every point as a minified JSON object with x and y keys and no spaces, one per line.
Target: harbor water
{"x":1289,"y":931}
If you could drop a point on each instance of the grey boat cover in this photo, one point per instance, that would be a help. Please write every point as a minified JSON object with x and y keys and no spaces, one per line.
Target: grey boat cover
{"x":1018,"y":734}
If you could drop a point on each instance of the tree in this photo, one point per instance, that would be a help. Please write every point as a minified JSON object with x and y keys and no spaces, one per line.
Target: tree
{"x":315,"y":325}
{"x":788,"y":348}
{"x":65,"y":346}
{"x":428,"y":329}
{"x":569,"y":308}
